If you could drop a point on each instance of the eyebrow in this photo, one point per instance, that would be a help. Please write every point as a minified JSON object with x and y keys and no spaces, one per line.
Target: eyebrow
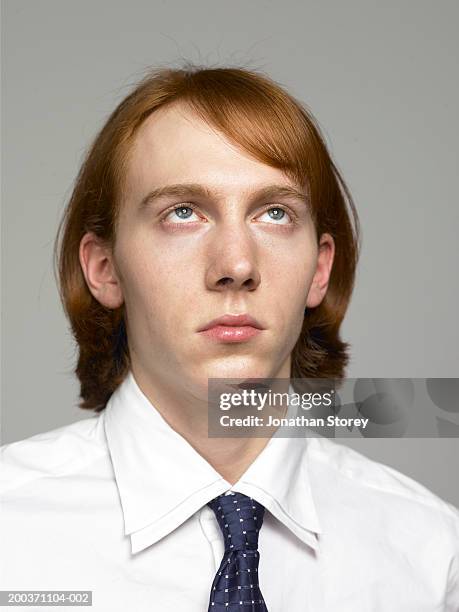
{"x":198,"y":190}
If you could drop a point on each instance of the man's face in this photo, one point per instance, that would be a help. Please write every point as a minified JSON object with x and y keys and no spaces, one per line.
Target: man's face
{"x":183,"y":261}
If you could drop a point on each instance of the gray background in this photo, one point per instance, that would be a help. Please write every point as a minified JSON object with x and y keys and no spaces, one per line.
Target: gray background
{"x":381,"y":78}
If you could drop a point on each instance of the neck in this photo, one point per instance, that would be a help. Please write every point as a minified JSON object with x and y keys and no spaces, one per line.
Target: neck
{"x":188,"y":416}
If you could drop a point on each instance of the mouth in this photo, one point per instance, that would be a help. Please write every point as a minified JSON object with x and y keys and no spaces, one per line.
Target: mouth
{"x":232,"y":328}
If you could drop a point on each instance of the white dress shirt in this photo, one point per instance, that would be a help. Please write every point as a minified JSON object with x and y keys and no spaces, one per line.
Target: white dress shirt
{"x":116,"y":504}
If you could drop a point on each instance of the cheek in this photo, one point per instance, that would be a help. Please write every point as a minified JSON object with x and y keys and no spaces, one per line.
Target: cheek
{"x":156,"y":280}
{"x":288,"y":272}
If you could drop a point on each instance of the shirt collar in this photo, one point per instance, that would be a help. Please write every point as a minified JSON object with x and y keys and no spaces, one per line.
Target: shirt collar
{"x":149,"y":456}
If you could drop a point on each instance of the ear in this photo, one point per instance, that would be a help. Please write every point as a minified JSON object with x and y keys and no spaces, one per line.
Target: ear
{"x":96,"y":259}
{"x":321,"y":276}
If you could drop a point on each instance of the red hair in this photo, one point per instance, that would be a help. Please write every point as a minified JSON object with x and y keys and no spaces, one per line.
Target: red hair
{"x":260,"y":117}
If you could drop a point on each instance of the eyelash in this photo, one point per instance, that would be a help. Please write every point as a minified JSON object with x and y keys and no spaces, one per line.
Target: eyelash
{"x":193,"y":207}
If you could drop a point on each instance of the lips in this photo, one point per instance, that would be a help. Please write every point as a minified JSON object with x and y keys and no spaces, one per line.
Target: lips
{"x":232,"y":328}
{"x":228,"y":320}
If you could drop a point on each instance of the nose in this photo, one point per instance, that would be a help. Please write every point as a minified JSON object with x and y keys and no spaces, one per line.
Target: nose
{"x":233,"y":261}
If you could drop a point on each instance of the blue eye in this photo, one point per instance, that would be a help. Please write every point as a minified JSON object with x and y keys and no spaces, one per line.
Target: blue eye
{"x":181,"y":214}
{"x":184,"y":212}
{"x":277,"y":214}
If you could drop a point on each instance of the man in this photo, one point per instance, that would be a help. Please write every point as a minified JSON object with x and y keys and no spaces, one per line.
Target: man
{"x":209,"y":235}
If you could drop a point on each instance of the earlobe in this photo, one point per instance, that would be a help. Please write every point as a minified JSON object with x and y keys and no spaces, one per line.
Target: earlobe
{"x":96,"y":260}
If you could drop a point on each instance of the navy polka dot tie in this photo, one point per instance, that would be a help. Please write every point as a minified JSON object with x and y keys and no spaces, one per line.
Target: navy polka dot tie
{"x":235,"y":587}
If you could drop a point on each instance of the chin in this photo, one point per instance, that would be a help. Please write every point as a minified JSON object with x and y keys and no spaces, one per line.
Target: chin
{"x":197,"y":379}
{"x":238,"y":367}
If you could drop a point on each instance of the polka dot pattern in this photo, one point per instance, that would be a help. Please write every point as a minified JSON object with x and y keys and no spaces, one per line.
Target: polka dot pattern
{"x":235,"y":587}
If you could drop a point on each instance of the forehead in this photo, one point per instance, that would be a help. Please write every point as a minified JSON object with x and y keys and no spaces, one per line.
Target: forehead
{"x":174,"y":144}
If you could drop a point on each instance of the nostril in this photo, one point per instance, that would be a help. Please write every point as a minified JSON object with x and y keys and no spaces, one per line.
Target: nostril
{"x":250,"y":284}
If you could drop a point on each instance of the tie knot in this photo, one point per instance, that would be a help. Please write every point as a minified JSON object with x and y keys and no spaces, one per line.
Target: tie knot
{"x":240,"y":519}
